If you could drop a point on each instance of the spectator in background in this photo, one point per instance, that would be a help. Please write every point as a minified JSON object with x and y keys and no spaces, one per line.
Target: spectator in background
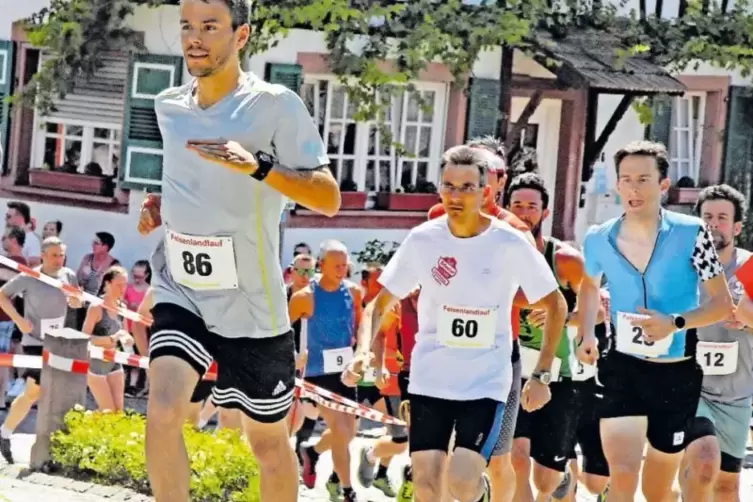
{"x":301,"y":248}
{"x":106,"y":380}
{"x":52,"y":229}
{"x":141,"y":278}
{"x":13,"y":243}
{"x":19,"y":215}
{"x":370,"y":281}
{"x":93,"y":267}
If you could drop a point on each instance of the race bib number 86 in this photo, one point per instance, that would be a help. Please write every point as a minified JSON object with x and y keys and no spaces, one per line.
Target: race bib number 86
{"x":201,"y":263}
{"x":466,"y":327}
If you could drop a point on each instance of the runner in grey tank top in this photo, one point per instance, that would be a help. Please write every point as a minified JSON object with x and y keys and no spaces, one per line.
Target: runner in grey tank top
{"x":108,"y":325}
{"x":234,"y":148}
{"x":725,"y":353}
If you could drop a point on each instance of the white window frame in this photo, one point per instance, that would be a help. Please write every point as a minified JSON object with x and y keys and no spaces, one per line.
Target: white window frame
{"x":361,"y":156}
{"x":676,"y":133}
{"x":148,"y":66}
{"x":127,"y":165}
{"x":87,"y":139}
{"x":4,"y":55}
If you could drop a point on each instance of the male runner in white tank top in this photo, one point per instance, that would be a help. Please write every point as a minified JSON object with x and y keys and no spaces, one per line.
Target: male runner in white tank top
{"x":469,"y":266}
{"x":218,"y":288}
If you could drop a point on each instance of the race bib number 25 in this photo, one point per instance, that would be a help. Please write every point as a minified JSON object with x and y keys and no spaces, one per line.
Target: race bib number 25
{"x":202,"y":263}
{"x":631,"y":340}
{"x":466,"y":327}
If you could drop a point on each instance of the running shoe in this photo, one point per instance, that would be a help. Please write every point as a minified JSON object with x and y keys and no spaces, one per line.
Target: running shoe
{"x":487,"y":496}
{"x":5,"y":450}
{"x":365,"y":469}
{"x":309,"y":458}
{"x":384,"y":486}
{"x":405,"y":493}
{"x":350,"y":496}
{"x":334,"y":489}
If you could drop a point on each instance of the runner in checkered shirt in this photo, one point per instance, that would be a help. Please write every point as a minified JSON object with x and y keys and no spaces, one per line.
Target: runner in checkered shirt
{"x":655,"y":262}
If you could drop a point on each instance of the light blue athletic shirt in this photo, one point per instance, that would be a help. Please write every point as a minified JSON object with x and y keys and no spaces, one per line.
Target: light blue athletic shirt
{"x":204,"y":199}
{"x":683,"y":257}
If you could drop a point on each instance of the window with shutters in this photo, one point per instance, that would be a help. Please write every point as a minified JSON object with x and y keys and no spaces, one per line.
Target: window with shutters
{"x":686,"y":136}
{"x":361,"y":154}
{"x":83,"y":134}
{"x":678,"y":122}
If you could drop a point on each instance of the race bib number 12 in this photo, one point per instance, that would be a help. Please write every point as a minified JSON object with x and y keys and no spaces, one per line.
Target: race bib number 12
{"x":466,"y":327}
{"x":630,"y":338}
{"x":201,"y":263}
{"x":717,"y":358}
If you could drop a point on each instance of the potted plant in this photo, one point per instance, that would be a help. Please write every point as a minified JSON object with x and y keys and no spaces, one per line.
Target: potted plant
{"x":351,"y":197}
{"x":684,"y":192}
{"x":420,"y":197}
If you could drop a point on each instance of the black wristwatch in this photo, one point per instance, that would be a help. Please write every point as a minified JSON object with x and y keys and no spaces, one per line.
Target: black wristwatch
{"x":543,"y":377}
{"x":679,"y":321}
{"x":266,"y":163}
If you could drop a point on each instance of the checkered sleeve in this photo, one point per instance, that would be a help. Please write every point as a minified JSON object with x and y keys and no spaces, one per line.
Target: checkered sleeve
{"x":705,"y":260}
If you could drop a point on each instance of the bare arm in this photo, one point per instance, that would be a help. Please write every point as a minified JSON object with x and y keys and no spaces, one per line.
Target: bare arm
{"x":139,"y":329}
{"x":589,"y":305}
{"x":556,"y":314}
{"x":744,"y":311}
{"x":300,"y":305}
{"x":7,"y":305}
{"x":372,"y":318}
{"x":315,"y":189}
{"x":719,"y":306}
{"x":93,"y":316}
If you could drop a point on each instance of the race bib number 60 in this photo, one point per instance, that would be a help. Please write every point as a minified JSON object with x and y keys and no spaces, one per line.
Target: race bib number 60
{"x":201,"y":263}
{"x":630,"y":338}
{"x":466,"y":327}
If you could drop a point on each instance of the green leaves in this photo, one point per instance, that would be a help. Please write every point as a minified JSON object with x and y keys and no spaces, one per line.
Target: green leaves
{"x":110,"y":447}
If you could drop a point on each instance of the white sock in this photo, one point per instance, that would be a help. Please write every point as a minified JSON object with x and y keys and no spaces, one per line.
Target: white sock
{"x":5,"y":433}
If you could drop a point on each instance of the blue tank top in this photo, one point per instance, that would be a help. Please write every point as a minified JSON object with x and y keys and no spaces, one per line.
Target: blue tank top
{"x":670,"y":284}
{"x":330,"y":327}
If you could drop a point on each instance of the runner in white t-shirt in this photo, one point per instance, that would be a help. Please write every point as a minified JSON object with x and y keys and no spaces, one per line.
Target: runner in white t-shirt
{"x":469,"y":267}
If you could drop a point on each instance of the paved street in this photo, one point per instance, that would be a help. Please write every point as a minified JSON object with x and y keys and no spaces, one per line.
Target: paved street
{"x":21,"y":490}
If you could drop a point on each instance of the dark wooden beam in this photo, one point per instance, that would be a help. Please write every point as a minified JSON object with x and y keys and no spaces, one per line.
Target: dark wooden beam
{"x":683,"y":8}
{"x":536,"y":84}
{"x":593,"y":150}
{"x":659,"y":8}
{"x":642,"y":9}
{"x":525,"y":116}
{"x":725,"y":6}
{"x":589,"y":137}
{"x":505,"y":92}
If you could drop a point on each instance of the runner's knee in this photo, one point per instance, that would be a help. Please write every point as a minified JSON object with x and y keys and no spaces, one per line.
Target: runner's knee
{"x":545,"y":479}
{"x":594,"y":484}
{"x":520,"y":458}
{"x":268,"y":445}
{"x":172,"y":383}
{"x":704,"y":460}
{"x":464,"y":473}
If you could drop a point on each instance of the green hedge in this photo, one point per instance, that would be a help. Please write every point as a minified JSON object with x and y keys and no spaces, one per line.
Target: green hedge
{"x":109,"y":448}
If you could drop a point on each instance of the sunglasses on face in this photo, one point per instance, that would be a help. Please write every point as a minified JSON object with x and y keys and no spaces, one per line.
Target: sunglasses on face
{"x":304,"y":272}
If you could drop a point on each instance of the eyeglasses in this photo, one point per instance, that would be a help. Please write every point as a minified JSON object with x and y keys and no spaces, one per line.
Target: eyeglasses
{"x":304,"y":272}
{"x":464,"y":189}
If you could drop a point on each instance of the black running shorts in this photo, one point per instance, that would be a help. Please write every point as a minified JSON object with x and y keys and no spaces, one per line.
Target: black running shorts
{"x":255,"y":375}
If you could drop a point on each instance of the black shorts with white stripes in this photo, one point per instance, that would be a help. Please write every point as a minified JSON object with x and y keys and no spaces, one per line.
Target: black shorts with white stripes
{"x":255,"y":375}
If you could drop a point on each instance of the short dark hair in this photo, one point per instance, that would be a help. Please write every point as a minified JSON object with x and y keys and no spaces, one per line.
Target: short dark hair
{"x":645,"y":149}
{"x":531,"y":181}
{"x":17,"y":234}
{"x":463,"y":155}
{"x":240,"y":11}
{"x":302,"y":245}
{"x":723,"y":192}
{"x":107,"y":239}
{"x":22,"y":208}
{"x":58,"y":226}
{"x":492,"y":144}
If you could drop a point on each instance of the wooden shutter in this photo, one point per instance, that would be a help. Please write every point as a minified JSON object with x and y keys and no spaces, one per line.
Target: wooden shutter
{"x":289,"y":75}
{"x":141,"y":157}
{"x":661,"y":119}
{"x":483,"y":108}
{"x":6,"y":88}
{"x":100,"y":98}
{"x":738,"y":151}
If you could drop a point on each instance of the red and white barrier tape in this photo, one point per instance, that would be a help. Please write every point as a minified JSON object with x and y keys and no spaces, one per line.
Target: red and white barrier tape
{"x":72,"y":290}
{"x":321,"y":396}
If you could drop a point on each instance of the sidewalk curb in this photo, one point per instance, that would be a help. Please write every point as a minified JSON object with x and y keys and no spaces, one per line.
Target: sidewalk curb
{"x":115,"y":493}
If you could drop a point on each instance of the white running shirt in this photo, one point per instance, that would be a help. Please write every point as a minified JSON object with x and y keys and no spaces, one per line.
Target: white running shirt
{"x":464,"y":340}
